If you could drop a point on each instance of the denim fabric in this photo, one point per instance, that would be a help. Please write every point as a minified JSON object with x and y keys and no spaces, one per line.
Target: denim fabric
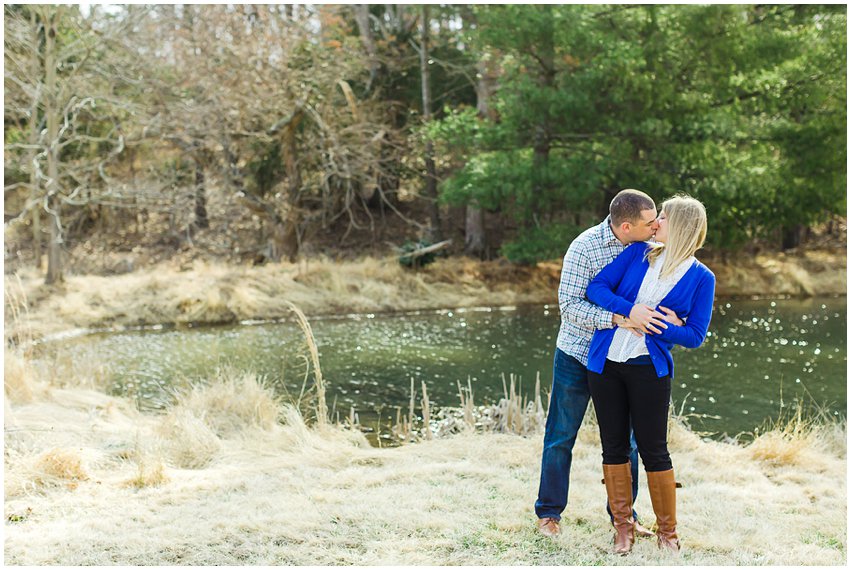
{"x":568,"y":402}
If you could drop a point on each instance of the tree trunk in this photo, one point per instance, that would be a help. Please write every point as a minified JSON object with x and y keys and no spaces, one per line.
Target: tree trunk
{"x":362,"y":19}
{"x":793,"y":236}
{"x":542,"y":136}
{"x":36,"y":227}
{"x":474,"y":227}
{"x":54,"y":248}
{"x":431,"y":171}
{"x":33,"y":140}
{"x":289,"y":240}
{"x":201,"y":221}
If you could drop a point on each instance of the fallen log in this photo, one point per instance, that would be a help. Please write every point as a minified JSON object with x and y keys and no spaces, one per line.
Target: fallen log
{"x":424,"y":250}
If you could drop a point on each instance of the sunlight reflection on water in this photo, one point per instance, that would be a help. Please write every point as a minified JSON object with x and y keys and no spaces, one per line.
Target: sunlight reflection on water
{"x":758,"y":357}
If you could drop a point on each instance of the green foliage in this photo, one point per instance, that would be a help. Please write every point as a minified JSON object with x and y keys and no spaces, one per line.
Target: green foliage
{"x":742,"y":107}
{"x":266,"y":168}
{"x":535,"y":244}
{"x":179,"y":171}
{"x":506,"y":180}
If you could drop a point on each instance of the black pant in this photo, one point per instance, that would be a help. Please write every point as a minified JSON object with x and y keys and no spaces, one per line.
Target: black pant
{"x":632,"y":392}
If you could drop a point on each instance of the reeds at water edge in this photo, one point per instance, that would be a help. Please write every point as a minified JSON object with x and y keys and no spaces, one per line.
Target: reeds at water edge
{"x":514,"y":413}
{"x":321,"y":410}
{"x":785,"y":439}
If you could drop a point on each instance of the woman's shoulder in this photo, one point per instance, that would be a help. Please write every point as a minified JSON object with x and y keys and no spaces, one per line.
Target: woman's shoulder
{"x":704,"y":271}
{"x":632,"y":253}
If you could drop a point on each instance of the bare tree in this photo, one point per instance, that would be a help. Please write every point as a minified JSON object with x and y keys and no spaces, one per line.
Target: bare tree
{"x":22,"y":101}
{"x":69,"y":68}
{"x":265,"y":97}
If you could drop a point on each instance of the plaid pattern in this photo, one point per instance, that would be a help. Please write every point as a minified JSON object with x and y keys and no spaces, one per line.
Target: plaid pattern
{"x":590,"y":252}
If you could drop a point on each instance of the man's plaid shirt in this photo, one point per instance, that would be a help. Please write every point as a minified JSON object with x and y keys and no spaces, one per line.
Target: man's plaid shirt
{"x":590,"y":252}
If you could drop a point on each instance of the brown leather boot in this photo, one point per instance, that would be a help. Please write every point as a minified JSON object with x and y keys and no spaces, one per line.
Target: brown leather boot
{"x":663,"y":495}
{"x":619,"y":490}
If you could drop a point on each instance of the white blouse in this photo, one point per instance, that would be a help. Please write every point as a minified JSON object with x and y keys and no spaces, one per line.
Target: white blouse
{"x":626,"y":345}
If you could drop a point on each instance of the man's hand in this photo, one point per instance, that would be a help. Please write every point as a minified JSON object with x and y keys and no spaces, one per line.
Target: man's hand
{"x":647,"y":318}
{"x":635,"y":329}
{"x":671,"y":316}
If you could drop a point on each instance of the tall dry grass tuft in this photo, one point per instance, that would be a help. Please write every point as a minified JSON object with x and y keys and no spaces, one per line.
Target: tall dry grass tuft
{"x":467,"y":402}
{"x":19,"y":381}
{"x":58,"y":466}
{"x":231,"y":402}
{"x":426,"y":405}
{"x":20,"y":331}
{"x":796,"y":437}
{"x":149,"y":473}
{"x":189,"y":442}
{"x":19,"y":378}
{"x":66,"y":369}
{"x":319,"y":383}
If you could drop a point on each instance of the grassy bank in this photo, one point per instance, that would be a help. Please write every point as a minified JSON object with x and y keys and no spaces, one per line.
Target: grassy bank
{"x":214,"y":293}
{"x":231,"y":476}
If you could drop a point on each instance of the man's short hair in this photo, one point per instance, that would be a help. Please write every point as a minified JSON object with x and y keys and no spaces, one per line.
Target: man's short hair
{"x":628,"y":205}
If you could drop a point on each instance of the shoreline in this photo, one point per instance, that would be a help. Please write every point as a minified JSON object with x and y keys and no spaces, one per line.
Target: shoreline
{"x":215,"y":294}
{"x":76,"y":333}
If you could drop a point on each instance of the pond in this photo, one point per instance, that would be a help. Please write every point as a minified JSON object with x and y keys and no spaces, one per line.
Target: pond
{"x":760,"y":357}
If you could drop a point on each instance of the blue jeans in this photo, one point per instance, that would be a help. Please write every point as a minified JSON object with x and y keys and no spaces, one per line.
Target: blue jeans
{"x":568,"y":403}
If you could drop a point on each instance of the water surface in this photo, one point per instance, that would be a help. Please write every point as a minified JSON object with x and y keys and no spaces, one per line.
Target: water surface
{"x":759,"y":358}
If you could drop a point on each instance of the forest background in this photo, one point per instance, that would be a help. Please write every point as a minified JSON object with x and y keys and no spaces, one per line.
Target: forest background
{"x":251,"y":133}
{"x":173,"y":165}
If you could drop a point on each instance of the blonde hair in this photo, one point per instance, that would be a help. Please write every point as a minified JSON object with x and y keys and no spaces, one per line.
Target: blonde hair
{"x":686,"y":232}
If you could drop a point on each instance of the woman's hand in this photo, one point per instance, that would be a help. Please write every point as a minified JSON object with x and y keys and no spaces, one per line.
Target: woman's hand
{"x":648,"y":319}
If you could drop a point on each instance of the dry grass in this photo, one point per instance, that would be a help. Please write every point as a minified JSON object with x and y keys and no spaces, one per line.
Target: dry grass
{"x":212,"y":293}
{"x":230,"y":476}
{"x":513,"y":414}
{"x":218,"y":293}
{"x":62,"y":464}
{"x":321,"y":411}
{"x":796,"y":438}
{"x":18,"y":378}
{"x":149,"y":474}
{"x":230,"y":402}
{"x":808,"y":273}
{"x":190,"y":442}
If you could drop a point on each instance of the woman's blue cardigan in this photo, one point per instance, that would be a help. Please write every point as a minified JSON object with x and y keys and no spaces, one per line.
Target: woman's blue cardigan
{"x":615,"y":289}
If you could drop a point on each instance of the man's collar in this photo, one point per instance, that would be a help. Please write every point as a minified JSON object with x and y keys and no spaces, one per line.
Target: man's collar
{"x":608,"y":233}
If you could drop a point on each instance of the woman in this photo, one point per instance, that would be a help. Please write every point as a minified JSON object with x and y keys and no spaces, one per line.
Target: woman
{"x":630,"y":374}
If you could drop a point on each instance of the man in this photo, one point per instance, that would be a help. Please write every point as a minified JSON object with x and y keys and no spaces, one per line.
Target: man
{"x":632,"y":218}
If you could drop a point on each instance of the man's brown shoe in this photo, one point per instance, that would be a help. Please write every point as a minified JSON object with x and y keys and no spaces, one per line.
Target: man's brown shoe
{"x":549,"y":527}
